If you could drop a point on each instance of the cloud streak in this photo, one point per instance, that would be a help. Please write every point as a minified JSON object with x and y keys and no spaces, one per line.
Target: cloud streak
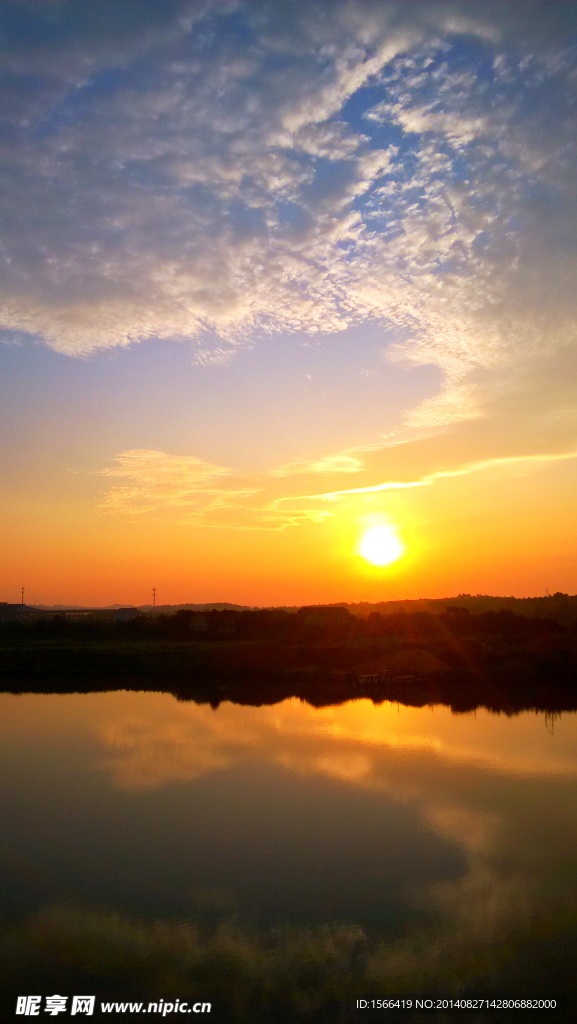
{"x":213,"y":496}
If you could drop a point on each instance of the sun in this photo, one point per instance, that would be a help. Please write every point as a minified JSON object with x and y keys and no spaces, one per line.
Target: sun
{"x":381,"y":546}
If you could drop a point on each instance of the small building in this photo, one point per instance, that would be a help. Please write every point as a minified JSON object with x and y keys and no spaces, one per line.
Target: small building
{"x":370,"y":679}
{"x":12,"y":612}
{"x":125,"y":614}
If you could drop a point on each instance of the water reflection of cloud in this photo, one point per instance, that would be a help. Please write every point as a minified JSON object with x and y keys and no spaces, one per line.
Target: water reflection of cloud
{"x":171,"y":741}
{"x":346,"y":765}
{"x":477,"y":784}
{"x":144,"y":752}
{"x":484,"y":901}
{"x":300,"y":968}
{"x":475,"y":830}
{"x":433,"y":762}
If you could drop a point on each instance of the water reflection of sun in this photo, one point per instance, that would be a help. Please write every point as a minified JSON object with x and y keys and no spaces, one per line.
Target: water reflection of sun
{"x":381,"y":546}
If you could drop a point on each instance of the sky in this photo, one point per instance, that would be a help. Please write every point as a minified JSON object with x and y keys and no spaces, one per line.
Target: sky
{"x":275,"y":273}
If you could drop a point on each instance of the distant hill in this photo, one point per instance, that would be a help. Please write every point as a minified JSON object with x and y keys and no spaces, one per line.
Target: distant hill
{"x":217,"y":606}
{"x":562,"y":607}
{"x":77,"y":607}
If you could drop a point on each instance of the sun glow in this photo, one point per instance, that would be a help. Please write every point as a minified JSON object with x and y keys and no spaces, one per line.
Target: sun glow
{"x":381,"y":546}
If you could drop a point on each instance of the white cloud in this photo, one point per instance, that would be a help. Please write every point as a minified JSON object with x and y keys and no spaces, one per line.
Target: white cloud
{"x":218,"y":356}
{"x":342,"y":462}
{"x":158,"y":480}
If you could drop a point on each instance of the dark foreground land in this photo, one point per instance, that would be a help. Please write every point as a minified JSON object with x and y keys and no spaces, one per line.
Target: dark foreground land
{"x":496,"y":659}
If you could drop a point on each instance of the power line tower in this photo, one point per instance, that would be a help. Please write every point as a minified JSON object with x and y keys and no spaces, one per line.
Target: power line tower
{"x":153,"y":600}
{"x":22,"y":595}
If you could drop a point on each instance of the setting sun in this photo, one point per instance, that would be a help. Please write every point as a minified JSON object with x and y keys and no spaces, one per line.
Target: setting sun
{"x":381,"y":546}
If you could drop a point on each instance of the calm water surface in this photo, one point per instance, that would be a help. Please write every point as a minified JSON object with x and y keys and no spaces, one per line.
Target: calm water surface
{"x":279,"y":858}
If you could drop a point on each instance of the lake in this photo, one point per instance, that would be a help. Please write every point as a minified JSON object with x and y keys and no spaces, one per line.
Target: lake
{"x":279,"y":860}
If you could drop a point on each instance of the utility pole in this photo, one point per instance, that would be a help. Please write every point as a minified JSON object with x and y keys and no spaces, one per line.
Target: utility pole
{"x":153,"y":599}
{"x":22,"y":588}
